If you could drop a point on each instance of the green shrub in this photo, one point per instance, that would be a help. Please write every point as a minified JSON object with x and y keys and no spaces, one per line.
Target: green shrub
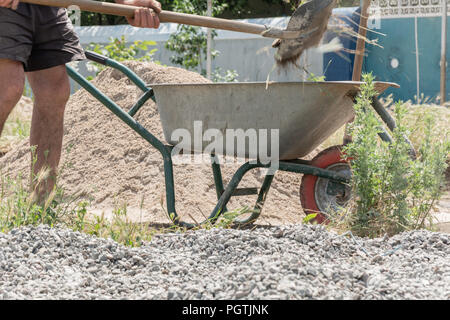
{"x":118,"y":50}
{"x":189,"y":43}
{"x":391,"y":191}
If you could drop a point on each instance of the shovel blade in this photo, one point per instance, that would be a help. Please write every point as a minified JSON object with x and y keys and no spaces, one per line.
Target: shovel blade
{"x":311,"y":19}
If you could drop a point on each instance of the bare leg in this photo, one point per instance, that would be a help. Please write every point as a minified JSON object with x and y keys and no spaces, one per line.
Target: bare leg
{"x":51,"y":89}
{"x":12,"y":80}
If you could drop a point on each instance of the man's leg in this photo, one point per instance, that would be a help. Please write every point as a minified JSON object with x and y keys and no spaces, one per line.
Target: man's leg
{"x":51,"y":90}
{"x":12,"y":80}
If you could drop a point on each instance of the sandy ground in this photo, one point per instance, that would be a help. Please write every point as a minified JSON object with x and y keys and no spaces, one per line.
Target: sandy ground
{"x":442,"y":214}
{"x":21,"y":115}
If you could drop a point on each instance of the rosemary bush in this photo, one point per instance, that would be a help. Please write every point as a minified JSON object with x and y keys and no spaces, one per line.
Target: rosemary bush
{"x":391,"y":191}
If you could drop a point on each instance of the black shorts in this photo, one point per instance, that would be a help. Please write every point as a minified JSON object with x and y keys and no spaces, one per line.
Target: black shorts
{"x":38,"y":36}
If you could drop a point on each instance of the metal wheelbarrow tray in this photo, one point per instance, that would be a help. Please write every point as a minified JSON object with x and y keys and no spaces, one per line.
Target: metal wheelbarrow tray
{"x":305,"y":113}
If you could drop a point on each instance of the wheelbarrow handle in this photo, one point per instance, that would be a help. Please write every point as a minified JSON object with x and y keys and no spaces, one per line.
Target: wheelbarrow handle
{"x":391,"y":124}
{"x":174,"y":17}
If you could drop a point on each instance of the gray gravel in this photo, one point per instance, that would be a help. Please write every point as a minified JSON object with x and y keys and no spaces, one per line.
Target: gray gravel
{"x":289,"y":262}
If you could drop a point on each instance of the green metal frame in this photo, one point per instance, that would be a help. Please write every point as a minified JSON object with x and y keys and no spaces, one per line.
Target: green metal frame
{"x":223,"y":194}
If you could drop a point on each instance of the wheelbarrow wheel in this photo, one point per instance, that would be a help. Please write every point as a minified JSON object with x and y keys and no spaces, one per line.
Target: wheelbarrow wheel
{"x":321,"y":195}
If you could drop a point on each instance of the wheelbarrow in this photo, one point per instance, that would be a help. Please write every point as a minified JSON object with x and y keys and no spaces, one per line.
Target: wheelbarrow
{"x":303,"y":115}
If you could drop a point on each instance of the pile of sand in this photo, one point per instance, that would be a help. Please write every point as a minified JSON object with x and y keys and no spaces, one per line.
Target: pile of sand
{"x":104,"y":159}
{"x":19,"y":119}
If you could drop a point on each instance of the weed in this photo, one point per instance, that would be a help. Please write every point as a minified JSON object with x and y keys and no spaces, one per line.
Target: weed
{"x":18,"y":207}
{"x":118,"y":50}
{"x":391,"y":191}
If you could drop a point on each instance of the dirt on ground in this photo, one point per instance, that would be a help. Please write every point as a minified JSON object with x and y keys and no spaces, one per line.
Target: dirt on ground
{"x":104,"y":160}
{"x":20,"y":116}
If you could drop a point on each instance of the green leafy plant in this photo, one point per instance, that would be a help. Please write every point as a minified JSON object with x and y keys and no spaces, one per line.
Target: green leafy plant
{"x":226,"y":220}
{"x":315,"y":78}
{"x":118,"y":50}
{"x":220,"y":75}
{"x":309,"y":218}
{"x":190,"y":43}
{"x":391,"y":191}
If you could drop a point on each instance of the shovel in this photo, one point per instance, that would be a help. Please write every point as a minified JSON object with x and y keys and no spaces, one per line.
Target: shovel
{"x":305,"y":29}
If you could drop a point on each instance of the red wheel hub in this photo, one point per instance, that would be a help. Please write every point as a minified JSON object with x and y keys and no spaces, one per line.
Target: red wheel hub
{"x":326,"y":159}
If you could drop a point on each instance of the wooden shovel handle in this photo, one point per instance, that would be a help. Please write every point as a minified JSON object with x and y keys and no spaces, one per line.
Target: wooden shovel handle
{"x":174,"y":17}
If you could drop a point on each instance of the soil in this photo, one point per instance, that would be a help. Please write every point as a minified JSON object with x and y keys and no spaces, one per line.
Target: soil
{"x":21,"y":114}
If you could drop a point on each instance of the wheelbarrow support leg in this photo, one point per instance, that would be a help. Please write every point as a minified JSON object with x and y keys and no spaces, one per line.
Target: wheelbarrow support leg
{"x":218,"y":180}
{"x":232,"y":185}
{"x":170,"y":189}
{"x":259,"y":202}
